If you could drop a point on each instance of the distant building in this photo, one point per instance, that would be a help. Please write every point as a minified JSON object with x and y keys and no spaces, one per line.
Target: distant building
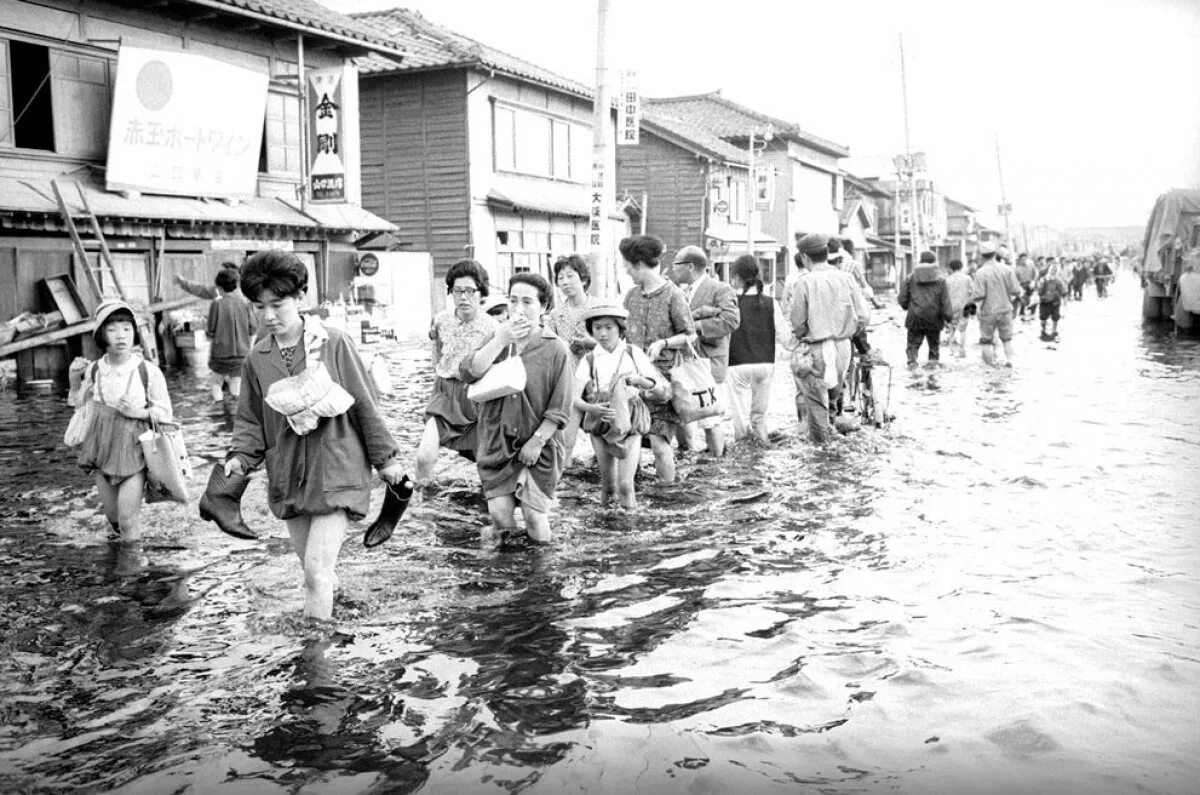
{"x":696,"y":189}
{"x":804,"y":178}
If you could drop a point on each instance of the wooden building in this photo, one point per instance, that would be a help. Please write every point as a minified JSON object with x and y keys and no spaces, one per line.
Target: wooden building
{"x":472,"y":152}
{"x":696,"y":187}
{"x":58,"y":72}
{"x":805,"y":172}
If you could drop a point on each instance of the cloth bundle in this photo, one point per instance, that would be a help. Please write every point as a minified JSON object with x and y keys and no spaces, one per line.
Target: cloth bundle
{"x":305,"y":398}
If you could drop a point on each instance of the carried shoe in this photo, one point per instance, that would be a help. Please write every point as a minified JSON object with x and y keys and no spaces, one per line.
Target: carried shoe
{"x":222,"y":503}
{"x":395,"y":502}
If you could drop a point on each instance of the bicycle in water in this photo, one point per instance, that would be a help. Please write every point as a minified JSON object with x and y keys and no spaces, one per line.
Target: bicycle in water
{"x":863,"y":394}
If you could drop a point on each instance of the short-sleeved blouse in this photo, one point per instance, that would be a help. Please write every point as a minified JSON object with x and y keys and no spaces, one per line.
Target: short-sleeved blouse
{"x":656,"y":315}
{"x":458,"y":339}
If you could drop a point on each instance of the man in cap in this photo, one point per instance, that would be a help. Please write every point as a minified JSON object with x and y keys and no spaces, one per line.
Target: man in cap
{"x":994,"y":287}
{"x":716,"y":315}
{"x":827,"y":309}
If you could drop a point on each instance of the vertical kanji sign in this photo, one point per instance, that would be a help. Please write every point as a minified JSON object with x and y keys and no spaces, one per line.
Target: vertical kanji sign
{"x":326,"y":167}
{"x":595,"y":227}
{"x":629,"y":111}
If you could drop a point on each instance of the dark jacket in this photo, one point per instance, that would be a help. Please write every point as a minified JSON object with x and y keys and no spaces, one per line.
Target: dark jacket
{"x":927,"y":298}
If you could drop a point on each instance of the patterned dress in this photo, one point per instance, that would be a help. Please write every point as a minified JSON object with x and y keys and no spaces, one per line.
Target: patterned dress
{"x":656,"y":315}
{"x":567,"y":322}
{"x":449,"y":407}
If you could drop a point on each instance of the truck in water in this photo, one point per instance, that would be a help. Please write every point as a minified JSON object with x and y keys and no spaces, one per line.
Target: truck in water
{"x":1170,"y":249}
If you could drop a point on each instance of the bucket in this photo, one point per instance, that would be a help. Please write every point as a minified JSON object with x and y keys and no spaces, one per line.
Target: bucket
{"x":195,"y":360}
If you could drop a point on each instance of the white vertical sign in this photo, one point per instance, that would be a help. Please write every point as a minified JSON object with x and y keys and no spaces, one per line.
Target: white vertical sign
{"x":629,"y":110}
{"x":596,"y":215}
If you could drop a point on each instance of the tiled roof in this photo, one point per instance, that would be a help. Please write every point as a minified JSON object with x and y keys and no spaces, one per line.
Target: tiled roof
{"x":691,"y":136}
{"x":428,"y":45}
{"x":727,"y":119}
{"x":306,"y":15}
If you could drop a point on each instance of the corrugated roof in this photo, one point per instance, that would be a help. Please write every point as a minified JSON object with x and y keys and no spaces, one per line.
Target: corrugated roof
{"x":34,"y":196}
{"x":428,"y":45}
{"x":727,"y":119}
{"x":307,"y":15}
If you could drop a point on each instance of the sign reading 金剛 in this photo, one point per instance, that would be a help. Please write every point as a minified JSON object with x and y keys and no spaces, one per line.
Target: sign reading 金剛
{"x":185,"y":125}
{"x":325,"y":163}
{"x":629,"y":110}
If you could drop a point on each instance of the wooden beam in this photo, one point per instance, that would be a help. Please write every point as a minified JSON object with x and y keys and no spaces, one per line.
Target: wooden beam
{"x":47,"y":337}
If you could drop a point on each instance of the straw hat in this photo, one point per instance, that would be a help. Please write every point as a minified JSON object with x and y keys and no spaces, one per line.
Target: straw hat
{"x":605,"y":310}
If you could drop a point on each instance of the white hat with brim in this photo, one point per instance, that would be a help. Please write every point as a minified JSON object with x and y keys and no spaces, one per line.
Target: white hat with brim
{"x":605,"y":310}
{"x":106,"y":310}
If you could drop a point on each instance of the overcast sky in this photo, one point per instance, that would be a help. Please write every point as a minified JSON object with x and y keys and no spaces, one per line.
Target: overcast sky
{"x":1095,"y":103}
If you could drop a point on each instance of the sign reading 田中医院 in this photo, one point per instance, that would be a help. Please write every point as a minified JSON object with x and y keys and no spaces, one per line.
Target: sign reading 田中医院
{"x":629,"y":113}
{"x":326,"y":168}
{"x":185,"y":125}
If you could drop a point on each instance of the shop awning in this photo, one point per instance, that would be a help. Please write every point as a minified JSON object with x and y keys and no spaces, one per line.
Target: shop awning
{"x":30,"y":203}
{"x":882,"y":243}
{"x":570,"y":201}
{"x":724,"y":243}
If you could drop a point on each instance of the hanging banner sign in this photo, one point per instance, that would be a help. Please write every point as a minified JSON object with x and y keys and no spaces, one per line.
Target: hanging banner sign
{"x":327,"y":170}
{"x":764,"y":188}
{"x":629,"y":110}
{"x":184,"y":125}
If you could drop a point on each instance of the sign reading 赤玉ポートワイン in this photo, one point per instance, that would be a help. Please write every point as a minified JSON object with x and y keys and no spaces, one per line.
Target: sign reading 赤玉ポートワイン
{"x":185,"y":125}
{"x":326,"y":165}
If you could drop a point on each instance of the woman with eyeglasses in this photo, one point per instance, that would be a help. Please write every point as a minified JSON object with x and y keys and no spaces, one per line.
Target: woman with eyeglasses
{"x":457,"y":332}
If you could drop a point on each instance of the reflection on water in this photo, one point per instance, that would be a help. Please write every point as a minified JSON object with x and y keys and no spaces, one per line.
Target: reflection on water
{"x":998,"y":593}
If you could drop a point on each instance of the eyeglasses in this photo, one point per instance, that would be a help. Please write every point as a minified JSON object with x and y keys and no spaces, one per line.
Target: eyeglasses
{"x":464,"y":292}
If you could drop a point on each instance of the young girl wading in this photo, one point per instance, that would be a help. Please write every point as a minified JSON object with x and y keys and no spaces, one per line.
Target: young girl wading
{"x":613,"y":371}
{"x":307,"y":412}
{"x":127,"y":391}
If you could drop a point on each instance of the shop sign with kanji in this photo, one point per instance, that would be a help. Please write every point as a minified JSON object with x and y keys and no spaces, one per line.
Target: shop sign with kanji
{"x":629,"y":110}
{"x":185,"y":125}
{"x":326,"y":166}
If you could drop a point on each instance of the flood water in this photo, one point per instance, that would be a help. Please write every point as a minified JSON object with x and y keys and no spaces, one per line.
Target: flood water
{"x":998,"y":593}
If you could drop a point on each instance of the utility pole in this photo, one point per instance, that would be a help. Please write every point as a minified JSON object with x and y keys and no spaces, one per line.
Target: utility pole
{"x":910,"y":165}
{"x":603,"y":192}
{"x":1005,"y":209}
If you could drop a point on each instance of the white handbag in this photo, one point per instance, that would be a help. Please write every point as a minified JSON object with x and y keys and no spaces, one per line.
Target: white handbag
{"x":502,"y":379}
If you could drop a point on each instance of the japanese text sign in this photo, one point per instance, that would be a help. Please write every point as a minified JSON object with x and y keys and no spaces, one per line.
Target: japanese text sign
{"x":326,"y":167}
{"x":185,"y":125}
{"x":629,"y":110}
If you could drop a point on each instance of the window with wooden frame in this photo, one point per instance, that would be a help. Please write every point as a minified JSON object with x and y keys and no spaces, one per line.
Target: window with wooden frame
{"x":58,"y":101}
{"x":527,"y":142}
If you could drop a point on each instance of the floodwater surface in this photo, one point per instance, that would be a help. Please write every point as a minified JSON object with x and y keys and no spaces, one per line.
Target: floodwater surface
{"x":998,"y":593}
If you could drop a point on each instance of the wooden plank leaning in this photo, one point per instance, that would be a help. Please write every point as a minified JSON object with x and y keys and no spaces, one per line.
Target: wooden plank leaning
{"x":84,"y":263}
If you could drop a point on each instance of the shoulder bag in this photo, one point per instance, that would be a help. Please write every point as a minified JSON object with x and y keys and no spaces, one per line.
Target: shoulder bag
{"x":85,"y":412}
{"x":693,"y":389}
{"x":503,"y":378}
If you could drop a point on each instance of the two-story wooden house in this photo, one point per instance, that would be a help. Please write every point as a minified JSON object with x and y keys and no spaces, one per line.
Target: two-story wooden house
{"x":805,"y":169}
{"x":473,"y":152}
{"x":696,"y":189}
{"x":192,"y":194}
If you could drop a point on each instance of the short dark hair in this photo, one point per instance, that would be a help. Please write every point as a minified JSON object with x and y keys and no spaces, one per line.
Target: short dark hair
{"x":928,"y":258}
{"x":619,"y":321}
{"x":955,"y":264}
{"x":535,"y":279}
{"x":848,"y":244}
{"x":229,"y":264}
{"x":276,"y":270}
{"x":576,"y":263}
{"x":641,"y":250}
{"x":470,"y":269}
{"x":227,"y":279}
{"x":815,"y":256}
{"x":119,"y":316}
{"x":833,"y":246}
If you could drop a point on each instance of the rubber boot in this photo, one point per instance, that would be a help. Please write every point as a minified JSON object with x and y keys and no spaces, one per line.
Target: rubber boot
{"x":395,"y":502}
{"x":222,"y":503}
